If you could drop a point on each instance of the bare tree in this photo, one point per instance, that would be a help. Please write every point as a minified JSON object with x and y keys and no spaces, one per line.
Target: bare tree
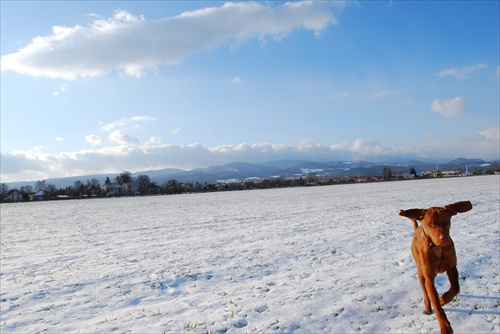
{"x":51,"y":189}
{"x":124,"y":177}
{"x":95,"y":183}
{"x":387,"y":174}
{"x":78,"y":188}
{"x":26,"y":189}
{"x":144,"y":182}
{"x":4,"y":188}
{"x":40,"y":185}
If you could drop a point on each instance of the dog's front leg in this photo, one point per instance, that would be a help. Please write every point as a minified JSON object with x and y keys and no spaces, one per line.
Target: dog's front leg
{"x":454,"y":289}
{"x":444,"y":324}
{"x":427,"y":303}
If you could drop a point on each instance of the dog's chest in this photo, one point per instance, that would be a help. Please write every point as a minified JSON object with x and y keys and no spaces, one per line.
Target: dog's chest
{"x":441,"y":259}
{"x":437,"y":252}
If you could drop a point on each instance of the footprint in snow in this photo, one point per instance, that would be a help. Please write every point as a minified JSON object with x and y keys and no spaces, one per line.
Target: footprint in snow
{"x":40,"y":294}
{"x":241,"y":323}
{"x":260,"y":309}
{"x":305,"y":275}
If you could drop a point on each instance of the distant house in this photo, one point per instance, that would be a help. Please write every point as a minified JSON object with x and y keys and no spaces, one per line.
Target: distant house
{"x":14,"y":196}
{"x":436,"y":173}
{"x":452,"y":173}
{"x":130,"y":188}
{"x":93,"y":190}
{"x":38,"y":196}
{"x":111,"y":188}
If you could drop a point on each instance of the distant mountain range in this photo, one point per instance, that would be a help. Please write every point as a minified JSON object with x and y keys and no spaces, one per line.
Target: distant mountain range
{"x":282,"y":168}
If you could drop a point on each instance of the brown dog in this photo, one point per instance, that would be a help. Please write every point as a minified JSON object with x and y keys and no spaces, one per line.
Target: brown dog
{"x":434,"y":252}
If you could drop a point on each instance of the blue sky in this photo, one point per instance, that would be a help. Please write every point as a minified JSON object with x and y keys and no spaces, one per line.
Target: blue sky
{"x":105,"y":86}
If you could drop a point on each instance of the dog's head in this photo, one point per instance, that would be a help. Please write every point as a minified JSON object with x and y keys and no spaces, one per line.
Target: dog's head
{"x":436,"y":220}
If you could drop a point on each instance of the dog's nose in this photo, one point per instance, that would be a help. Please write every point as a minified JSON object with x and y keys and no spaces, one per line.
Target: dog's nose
{"x":443,"y":237}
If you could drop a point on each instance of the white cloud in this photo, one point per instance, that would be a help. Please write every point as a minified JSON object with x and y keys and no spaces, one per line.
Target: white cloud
{"x":235,"y":80}
{"x":94,"y":140}
{"x":127,"y":123}
{"x":450,"y":108}
{"x":154,"y":141}
{"x":143,"y":118}
{"x":113,"y":125}
{"x":463,"y":72}
{"x":491,"y":134}
{"x":386,"y":93}
{"x":311,"y":145}
{"x":338,"y":96}
{"x":39,"y":148}
{"x":362,"y":149}
{"x":122,"y":138}
{"x":131,"y":44}
{"x":62,"y":91}
{"x":59,"y":139}
{"x":118,"y":133}
{"x":177,"y":131}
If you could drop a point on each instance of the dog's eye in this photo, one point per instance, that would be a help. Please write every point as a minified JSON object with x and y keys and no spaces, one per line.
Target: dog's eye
{"x":430,"y":224}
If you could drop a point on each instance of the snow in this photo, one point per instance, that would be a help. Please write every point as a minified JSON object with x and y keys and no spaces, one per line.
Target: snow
{"x":320,"y":259}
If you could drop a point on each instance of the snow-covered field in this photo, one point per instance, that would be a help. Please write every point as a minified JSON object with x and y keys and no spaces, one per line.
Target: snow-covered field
{"x":322,"y":259}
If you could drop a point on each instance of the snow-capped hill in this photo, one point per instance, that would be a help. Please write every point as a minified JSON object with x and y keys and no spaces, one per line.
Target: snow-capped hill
{"x":281,"y":168}
{"x":467,"y":161}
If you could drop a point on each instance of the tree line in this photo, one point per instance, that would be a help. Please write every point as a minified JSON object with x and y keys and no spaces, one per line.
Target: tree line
{"x":125,"y":184}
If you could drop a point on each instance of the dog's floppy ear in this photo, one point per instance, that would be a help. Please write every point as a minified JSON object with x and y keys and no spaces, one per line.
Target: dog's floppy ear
{"x":457,"y":207}
{"x":417,"y":214}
